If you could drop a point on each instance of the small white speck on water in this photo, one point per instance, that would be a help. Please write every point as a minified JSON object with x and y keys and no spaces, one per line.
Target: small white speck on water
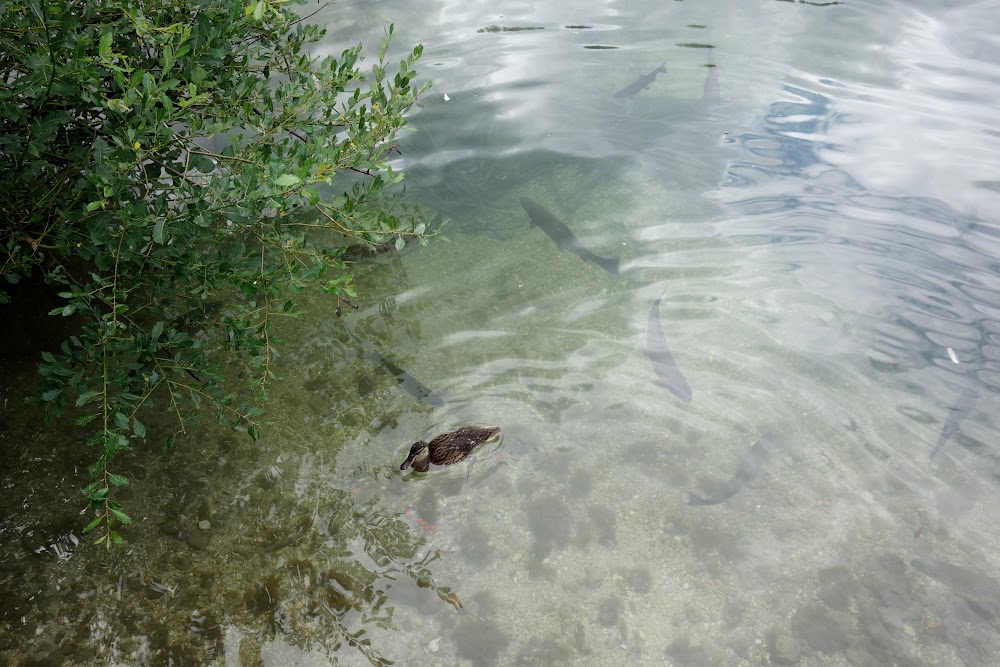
{"x":446,"y":98}
{"x":952,"y":355}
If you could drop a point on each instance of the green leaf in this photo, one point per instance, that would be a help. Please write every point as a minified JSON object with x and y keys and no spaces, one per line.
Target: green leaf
{"x":121,"y":420}
{"x":158,"y":231}
{"x":157,"y":330}
{"x":121,"y":516}
{"x":138,"y":428}
{"x":93,"y":524}
{"x":117,"y":480}
{"x":87,"y":397}
{"x":253,"y":432}
{"x":104,"y":47}
{"x":400,"y":243}
{"x":51,"y":395}
{"x":114,"y":443}
{"x":287,"y":180}
{"x":202,"y":163}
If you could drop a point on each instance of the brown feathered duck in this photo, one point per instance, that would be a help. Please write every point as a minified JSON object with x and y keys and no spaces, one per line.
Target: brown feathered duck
{"x":449,"y":448}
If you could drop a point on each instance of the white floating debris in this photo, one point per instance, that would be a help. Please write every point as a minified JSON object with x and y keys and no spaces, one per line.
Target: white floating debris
{"x":446,"y":98}
{"x":434,"y":645}
{"x":952,"y":355}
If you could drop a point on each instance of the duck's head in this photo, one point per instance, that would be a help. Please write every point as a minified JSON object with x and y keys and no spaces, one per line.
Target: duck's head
{"x":417,"y":450}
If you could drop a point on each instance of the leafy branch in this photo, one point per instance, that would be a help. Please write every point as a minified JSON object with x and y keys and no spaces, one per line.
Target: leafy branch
{"x":179,"y":196}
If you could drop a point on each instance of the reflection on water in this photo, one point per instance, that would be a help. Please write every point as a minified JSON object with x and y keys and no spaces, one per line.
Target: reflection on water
{"x":807,"y":289}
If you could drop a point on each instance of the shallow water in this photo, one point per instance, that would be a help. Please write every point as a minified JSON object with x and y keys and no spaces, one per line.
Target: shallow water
{"x":822,"y":243}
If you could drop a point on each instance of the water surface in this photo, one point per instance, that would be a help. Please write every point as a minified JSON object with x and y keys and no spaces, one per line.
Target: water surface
{"x":821,"y":238}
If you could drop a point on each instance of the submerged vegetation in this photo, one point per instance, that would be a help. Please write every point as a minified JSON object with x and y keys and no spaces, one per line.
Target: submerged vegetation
{"x":178,"y":177}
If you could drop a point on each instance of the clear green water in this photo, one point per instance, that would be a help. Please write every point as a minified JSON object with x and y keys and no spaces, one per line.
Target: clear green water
{"x":820,"y":239}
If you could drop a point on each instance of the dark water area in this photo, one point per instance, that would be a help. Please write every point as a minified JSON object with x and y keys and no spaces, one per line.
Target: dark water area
{"x":808,"y":193}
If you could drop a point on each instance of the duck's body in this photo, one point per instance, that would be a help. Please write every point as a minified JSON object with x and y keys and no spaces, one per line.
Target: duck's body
{"x":448,"y":448}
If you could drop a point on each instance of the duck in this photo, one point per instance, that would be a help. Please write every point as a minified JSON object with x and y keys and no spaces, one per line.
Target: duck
{"x":449,"y":448}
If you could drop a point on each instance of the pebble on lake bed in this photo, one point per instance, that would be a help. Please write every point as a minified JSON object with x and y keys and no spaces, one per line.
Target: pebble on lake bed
{"x":204,"y":524}
{"x":785,"y":650}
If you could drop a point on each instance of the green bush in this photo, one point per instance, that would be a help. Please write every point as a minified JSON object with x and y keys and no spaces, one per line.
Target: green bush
{"x":180,"y":174}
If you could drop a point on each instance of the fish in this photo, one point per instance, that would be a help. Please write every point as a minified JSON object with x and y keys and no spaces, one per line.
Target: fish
{"x":564,"y":238}
{"x":749,"y":468}
{"x":409,"y":384}
{"x":642,"y":82}
{"x":960,"y":411}
{"x":668,"y":375}
{"x":712,"y":92}
{"x":970,"y":584}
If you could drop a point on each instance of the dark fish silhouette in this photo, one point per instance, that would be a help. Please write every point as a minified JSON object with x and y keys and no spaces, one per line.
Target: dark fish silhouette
{"x":749,"y":468}
{"x":712,"y":92}
{"x":961,"y":410}
{"x":979,"y":588}
{"x":642,"y":82}
{"x":410,"y":384}
{"x":563,"y":237}
{"x":668,"y":374}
